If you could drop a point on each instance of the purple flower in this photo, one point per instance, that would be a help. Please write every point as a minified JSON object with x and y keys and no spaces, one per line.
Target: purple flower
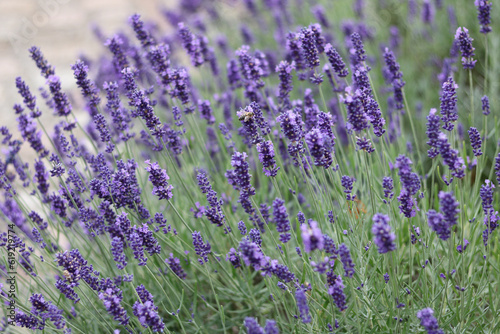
{"x":319,"y":13}
{"x":233,"y":74}
{"x":233,"y":257}
{"x":347,"y":183}
{"x":27,"y":128}
{"x":291,"y":125}
{"x":141,"y":33}
{"x":102,"y":126}
{"x":428,"y":12}
{"x":255,"y":236}
{"x":181,"y":89}
{"x":191,"y":44}
{"x":280,"y":270}
{"x":158,"y":56}
{"x":383,"y":237}
{"x":35,"y":217}
{"x":486,"y":194}
{"x":175,"y":265}
{"x":214,"y":212}
{"x":475,"y":141}
{"x":466,"y":48}
{"x":485,"y":105}
{"x":202,"y":249}
{"x":206,"y":111}
{"x":463,"y":247}
{"x":449,"y":103}
{"x":46,"y":311}
{"x":309,"y":50}
{"x":438,"y":224}
{"x":345,"y":258}
{"x":449,"y":206}
{"x":119,"y":115}
{"x":250,"y":66}
{"x":135,"y":243}
{"x":483,"y":14}
{"x":336,"y":290}
{"x":28,"y":321}
{"x":428,"y":321}
{"x":336,"y":61}
{"x":43,"y":65}
{"x":120,"y":61}
{"x":62,"y":106}
{"x":329,"y":246}
{"x":320,"y":146}
{"x":87,"y":86}
{"x":281,"y":219}
{"x":266,"y":157}
{"x":316,"y":78}
{"x":364,"y":144}
{"x":241,"y":174}
{"x":356,"y":117}
{"x":284,"y":70}
{"x":271,"y":327}
{"x":312,"y":236}
{"x":143,"y":106}
{"x":433,"y":124}
{"x":253,"y":326}
{"x":301,"y":299}
{"x":249,"y":121}
{"x":117,"y":252}
{"x":294,"y":51}
{"x":411,"y":185}
{"x":112,"y":298}
{"x":388,"y":185}
{"x":395,"y":77}
{"x":159,"y":178}
{"x":451,"y":157}
{"x":358,"y":55}
{"x":28,"y":98}
{"x":252,"y":254}
{"x":146,"y":311}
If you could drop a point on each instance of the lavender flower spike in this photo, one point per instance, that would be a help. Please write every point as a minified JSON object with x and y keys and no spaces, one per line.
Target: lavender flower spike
{"x":266,"y":157}
{"x":438,"y":224}
{"x":384,"y":238}
{"x":311,"y":236}
{"x":483,"y":15}
{"x":301,"y":299}
{"x":159,"y":178}
{"x":466,"y":48}
{"x":428,"y":321}
{"x":358,"y":50}
{"x":336,"y":61}
{"x":202,"y":249}
{"x":485,"y":105}
{"x":347,"y":183}
{"x":475,"y":141}
{"x":433,"y":124}
{"x":449,"y":103}
{"x":253,"y":326}
{"x":449,"y":206}
{"x":345,"y":258}
{"x":281,"y":219}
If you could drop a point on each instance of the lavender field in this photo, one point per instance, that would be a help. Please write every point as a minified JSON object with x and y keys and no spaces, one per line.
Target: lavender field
{"x":260,"y":167}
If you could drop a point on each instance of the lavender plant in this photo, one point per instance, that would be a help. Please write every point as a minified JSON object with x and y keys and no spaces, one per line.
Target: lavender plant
{"x":219,"y":184}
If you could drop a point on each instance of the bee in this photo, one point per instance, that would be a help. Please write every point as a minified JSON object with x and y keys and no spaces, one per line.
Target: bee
{"x":67,"y":275}
{"x":358,"y":208}
{"x":245,"y":115}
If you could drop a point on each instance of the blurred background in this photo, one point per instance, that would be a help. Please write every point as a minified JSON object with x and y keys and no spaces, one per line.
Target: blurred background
{"x":63,"y":31}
